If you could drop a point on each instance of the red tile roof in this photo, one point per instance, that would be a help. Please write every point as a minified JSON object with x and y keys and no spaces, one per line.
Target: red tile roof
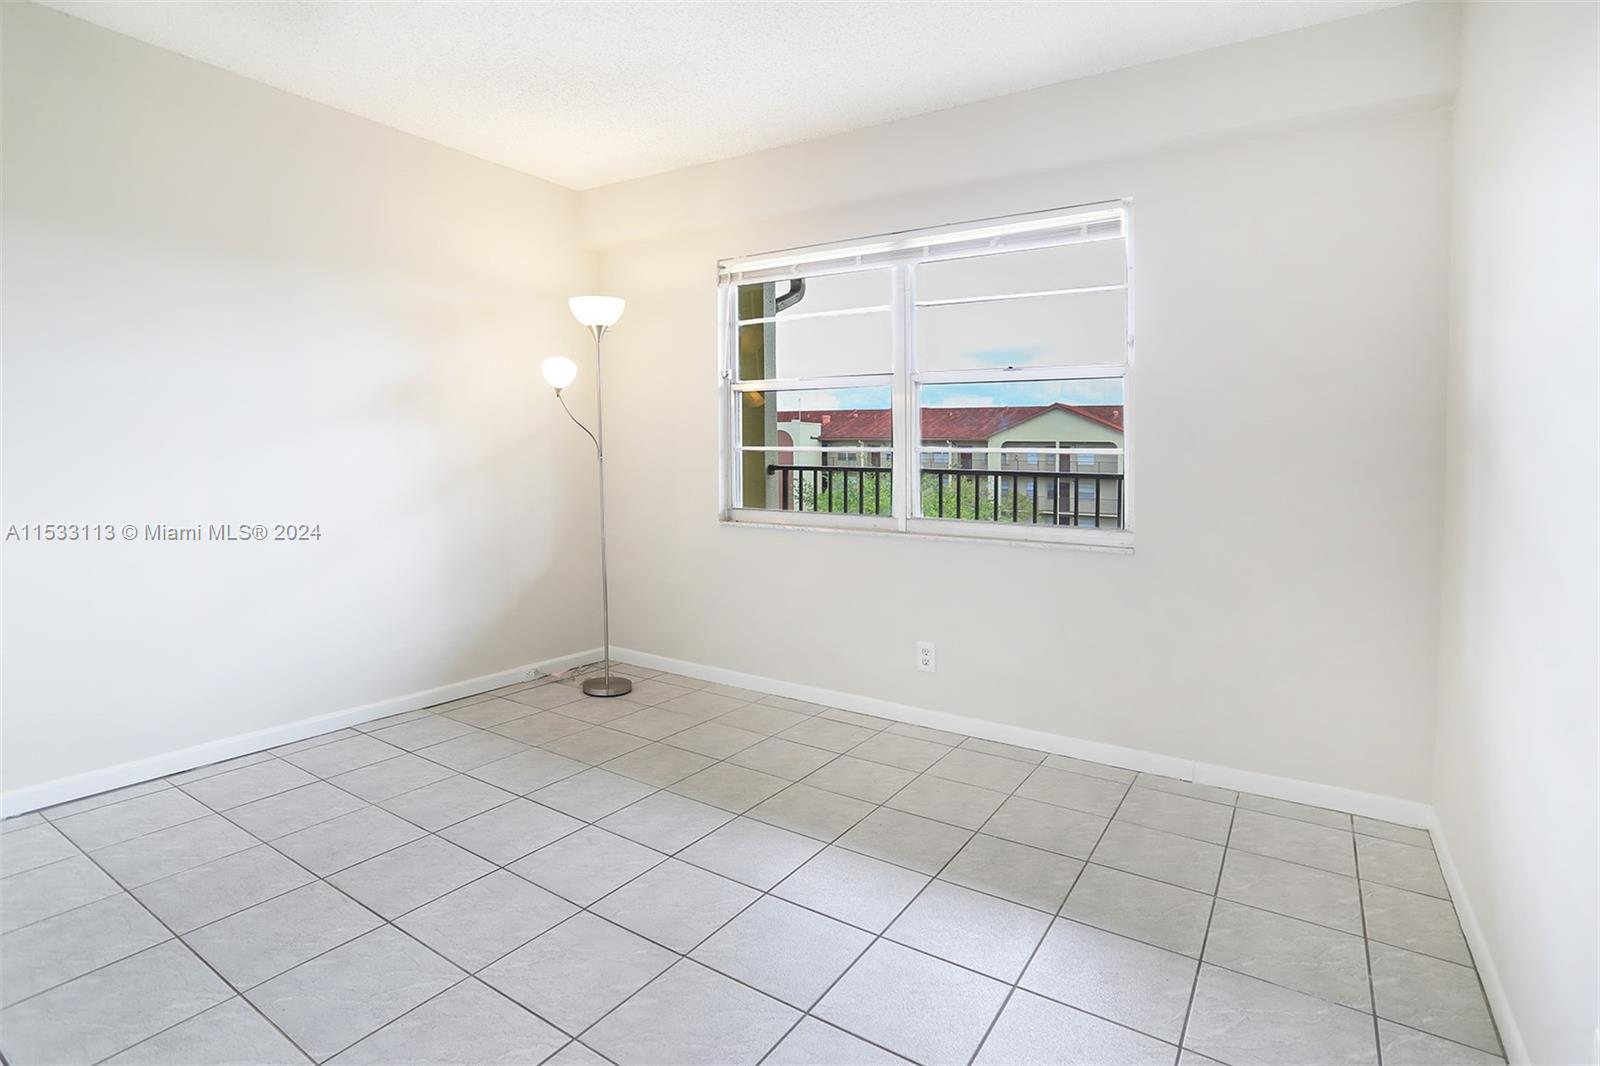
{"x":946,"y":423}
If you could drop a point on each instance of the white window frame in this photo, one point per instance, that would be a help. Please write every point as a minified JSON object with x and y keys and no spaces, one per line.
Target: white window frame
{"x":900,"y":253}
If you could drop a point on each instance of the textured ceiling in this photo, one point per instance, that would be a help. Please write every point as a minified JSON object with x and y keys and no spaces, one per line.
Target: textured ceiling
{"x":585,"y":94}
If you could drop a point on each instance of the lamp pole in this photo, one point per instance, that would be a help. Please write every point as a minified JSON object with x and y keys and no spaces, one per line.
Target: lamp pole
{"x":606,"y":685}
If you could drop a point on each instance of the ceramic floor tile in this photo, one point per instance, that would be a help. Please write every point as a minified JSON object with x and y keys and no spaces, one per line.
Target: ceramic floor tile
{"x":658,"y":764}
{"x":783,"y":758}
{"x":117,"y":795}
{"x":651,"y":692}
{"x":783,"y":950}
{"x":733,"y":788}
{"x":1399,"y":834}
{"x":1245,"y":1022}
{"x":409,"y":876}
{"x":858,"y":889}
{"x":341,"y":756}
{"x":238,"y":787}
{"x":1401,"y":866}
{"x":908,"y":753}
{"x":1044,"y":825}
{"x":472,"y":751}
{"x":859,"y":779}
{"x":576,"y":972}
{"x":1153,"y":911}
{"x":202,"y":895}
{"x":506,"y":833}
{"x":50,"y":890}
{"x":922,"y":732}
{"x":1022,"y":874}
{"x":467,"y":1023}
{"x":816,"y":813}
{"x":586,"y":865}
{"x":549,"y":697}
{"x":1181,"y":861}
{"x":714,"y":739}
{"x":344,"y":841}
{"x":1122,"y":980}
{"x":444,"y":803}
{"x":112,"y":1008}
{"x":232,"y":1031}
{"x":1094,"y":795}
{"x":752,"y":853}
{"x":1298,"y":811}
{"x":422,"y":732}
{"x":528,"y":771}
{"x":1308,"y":958}
{"x":967,"y":806}
{"x":542,"y":728}
{"x":701,"y":701}
{"x":665,"y":821}
{"x":294,"y":810}
{"x":486,"y":714}
{"x":1432,"y":995}
{"x":1033,"y":1031}
{"x":979,"y":768}
{"x":914,"y":1005}
{"x":1031,"y":756}
{"x":675,"y":904}
{"x":980,"y":932}
{"x":116,"y":822}
{"x":592,"y":794}
{"x":595,"y":745}
{"x":905,"y":839}
{"x":1093,"y":769}
{"x":390,"y":778}
{"x":816,"y":1043}
{"x":691,"y":1014}
{"x":482,"y":921}
{"x":1409,"y":1047}
{"x":317,"y":741}
{"x":169,"y":851}
{"x":1295,"y":841}
{"x":576,"y":1054}
{"x":59,"y":949}
{"x":1289,"y":888}
{"x":760,"y":718}
{"x":334,"y":1000}
{"x":1187,"y":788}
{"x":822,"y":733}
{"x":1414,"y":921}
{"x":36,"y":846}
{"x":200,"y":773}
{"x":257,"y":944}
{"x":1173,"y":813}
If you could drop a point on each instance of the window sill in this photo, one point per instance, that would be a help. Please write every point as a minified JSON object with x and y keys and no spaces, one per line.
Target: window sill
{"x":1118,"y":542}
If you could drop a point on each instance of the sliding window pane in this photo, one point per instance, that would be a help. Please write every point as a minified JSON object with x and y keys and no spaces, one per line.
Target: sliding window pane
{"x":809,"y":295}
{"x":817,"y":450}
{"x":1067,"y":266}
{"x":1036,"y":452}
{"x":844,"y":344}
{"x":1070,"y":330}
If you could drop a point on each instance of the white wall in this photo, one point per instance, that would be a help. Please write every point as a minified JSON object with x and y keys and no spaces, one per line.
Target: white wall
{"x":1514,"y":781}
{"x":1292,"y":315}
{"x":223,"y":303}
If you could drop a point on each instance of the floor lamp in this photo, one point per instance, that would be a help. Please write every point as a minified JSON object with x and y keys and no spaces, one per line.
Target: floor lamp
{"x":597,"y":314}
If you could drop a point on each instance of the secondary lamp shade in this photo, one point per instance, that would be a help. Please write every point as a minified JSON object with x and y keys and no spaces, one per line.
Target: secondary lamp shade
{"x":597,"y":310}
{"x":559,"y":371}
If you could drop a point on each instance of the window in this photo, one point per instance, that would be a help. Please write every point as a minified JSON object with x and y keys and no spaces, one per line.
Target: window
{"x":969,"y":380}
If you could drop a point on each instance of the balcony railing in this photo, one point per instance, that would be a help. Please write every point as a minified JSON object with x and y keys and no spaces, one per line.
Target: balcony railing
{"x":1027,"y":497}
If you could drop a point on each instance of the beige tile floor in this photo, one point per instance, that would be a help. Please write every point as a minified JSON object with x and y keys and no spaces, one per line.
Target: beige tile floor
{"x":698,"y":874}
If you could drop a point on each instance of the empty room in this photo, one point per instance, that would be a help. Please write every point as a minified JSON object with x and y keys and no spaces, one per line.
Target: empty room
{"x":793,"y":532}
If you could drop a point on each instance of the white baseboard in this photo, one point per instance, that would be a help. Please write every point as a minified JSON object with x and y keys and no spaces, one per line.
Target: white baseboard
{"x":94,"y":782}
{"x":1499,"y":1004}
{"x":1368,"y":804}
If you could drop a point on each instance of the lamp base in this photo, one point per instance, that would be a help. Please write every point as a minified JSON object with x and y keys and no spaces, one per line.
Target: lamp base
{"x":616,"y":685}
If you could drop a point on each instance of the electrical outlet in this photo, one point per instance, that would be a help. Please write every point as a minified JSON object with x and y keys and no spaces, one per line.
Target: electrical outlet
{"x":925,"y":655}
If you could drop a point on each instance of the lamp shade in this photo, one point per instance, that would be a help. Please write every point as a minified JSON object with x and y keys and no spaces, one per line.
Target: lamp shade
{"x":559,"y":371}
{"x":597,"y":310}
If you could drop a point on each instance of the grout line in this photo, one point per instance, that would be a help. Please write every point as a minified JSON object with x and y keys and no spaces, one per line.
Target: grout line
{"x":1205,"y":939}
{"x":1366,"y":955}
{"x":681,"y":956}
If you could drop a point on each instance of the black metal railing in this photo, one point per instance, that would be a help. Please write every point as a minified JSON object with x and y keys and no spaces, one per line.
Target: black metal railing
{"x":1066,"y":498}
